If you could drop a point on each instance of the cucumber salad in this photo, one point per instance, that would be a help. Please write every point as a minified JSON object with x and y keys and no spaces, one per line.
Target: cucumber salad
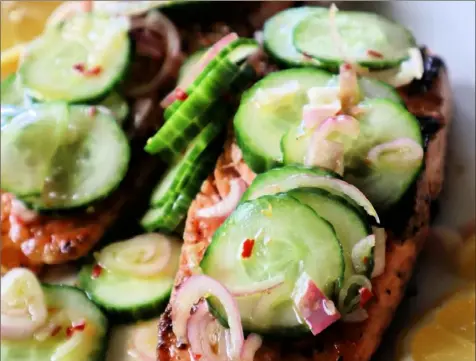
{"x":325,"y":138}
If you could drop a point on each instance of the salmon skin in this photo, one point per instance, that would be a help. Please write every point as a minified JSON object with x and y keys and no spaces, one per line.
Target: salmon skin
{"x":342,"y":341}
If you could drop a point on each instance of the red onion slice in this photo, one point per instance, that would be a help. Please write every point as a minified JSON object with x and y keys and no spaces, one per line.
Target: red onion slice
{"x":379,"y":251}
{"x":399,"y":153}
{"x":206,"y":336}
{"x":189,"y":293}
{"x":161,"y":25}
{"x":313,"y":306}
{"x":252,"y":344}
{"x":314,"y":115}
{"x":329,"y":141}
{"x":228,"y":204}
{"x":211,"y":53}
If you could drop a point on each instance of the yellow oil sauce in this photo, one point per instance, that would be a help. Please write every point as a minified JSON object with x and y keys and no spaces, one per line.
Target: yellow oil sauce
{"x":21,"y":21}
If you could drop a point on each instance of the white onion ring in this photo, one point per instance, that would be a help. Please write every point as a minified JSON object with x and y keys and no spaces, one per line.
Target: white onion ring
{"x":206,"y":336}
{"x":157,"y":22}
{"x":359,"y":249}
{"x":406,"y":152}
{"x":18,"y":324}
{"x":379,"y":251}
{"x":141,"y":334}
{"x":156,"y":252}
{"x":189,"y":293}
{"x":228,"y":204}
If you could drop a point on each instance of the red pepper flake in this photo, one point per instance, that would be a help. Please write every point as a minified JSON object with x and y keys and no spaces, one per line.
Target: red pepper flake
{"x":365,"y":296}
{"x":180,"y":94}
{"x":94,"y":71}
{"x":196,"y":356}
{"x":76,"y":326}
{"x":366,"y":260}
{"x":347,"y":66}
{"x":55,"y":331}
{"x":96,"y":272}
{"x":374,"y":54}
{"x":92,"y":111}
{"x":247,"y":248}
{"x":80,"y":67}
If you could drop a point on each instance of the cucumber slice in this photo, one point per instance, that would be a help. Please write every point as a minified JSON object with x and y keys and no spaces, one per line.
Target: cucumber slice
{"x":168,"y":215}
{"x":90,"y":162}
{"x":190,"y":118}
{"x":363,"y":35}
{"x":290,"y":238}
{"x":126,"y":296}
{"x":72,"y":301}
{"x":178,"y":172}
{"x":236,"y":52}
{"x":382,"y":121}
{"x":52,"y":68}
{"x":348,"y":222}
{"x":291,"y":177}
{"x":269,"y":109}
{"x":376,"y":89}
{"x":278,"y":36}
{"x":117,"y":105}
{"x":12,"y":92}
{"x":25,"y":155}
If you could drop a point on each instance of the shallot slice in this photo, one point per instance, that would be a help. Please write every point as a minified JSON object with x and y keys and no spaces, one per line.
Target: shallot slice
{"x":228,"y":204}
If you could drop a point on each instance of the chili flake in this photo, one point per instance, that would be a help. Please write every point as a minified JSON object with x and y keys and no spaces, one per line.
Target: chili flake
{"x":96,"y":272}
{"x":55,"y":331}
{"x":247,"y":248}
{"x":76,"y":326}
{"x":180,"y":94}
{"x":365,"y":296}
{"x":94,"y":71}
{"x":374,"y":54}
{"x":80,"y":67}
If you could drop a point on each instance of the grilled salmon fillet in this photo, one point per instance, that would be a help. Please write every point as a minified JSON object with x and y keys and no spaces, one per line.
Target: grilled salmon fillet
{"x":342,"y":341}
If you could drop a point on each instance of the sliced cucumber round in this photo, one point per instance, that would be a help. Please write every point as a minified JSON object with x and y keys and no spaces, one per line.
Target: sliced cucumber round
{"x":91,"y":346}
{"x":349,"y":223}
{"x":289,"y":239}
{"x":236,"y":52}
{"x":367,"y":38}
{"x":89,"y":162}
{"x":173,"y":203}
{"x":26,"y":155}
{"x":126,"y":296}
{"x":269,"y":109}
{"x":381,"y":122}
{"x":79,"y":60}
{"x":278,"y":35}
{"x":283,"y":179}
{"x":376,"y":89}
